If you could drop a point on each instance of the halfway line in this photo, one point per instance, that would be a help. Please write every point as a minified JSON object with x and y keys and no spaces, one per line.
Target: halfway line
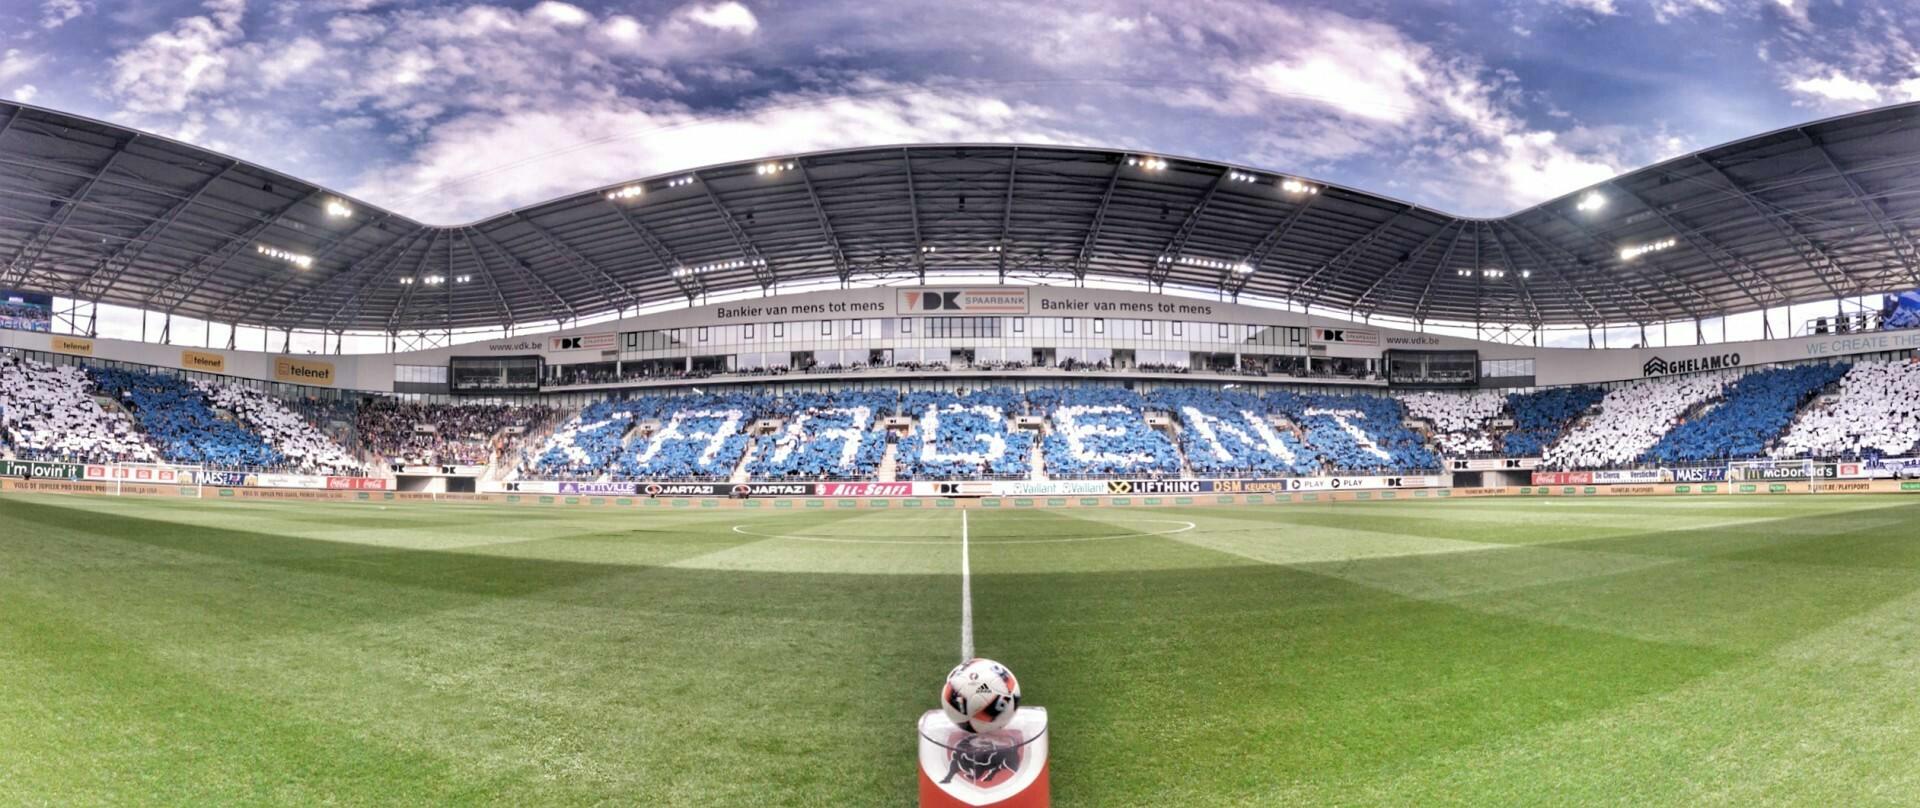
{"x":966,"y":595}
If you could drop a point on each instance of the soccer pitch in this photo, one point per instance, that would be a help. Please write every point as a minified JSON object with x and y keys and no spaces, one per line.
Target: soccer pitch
{"x":1626,"y":651}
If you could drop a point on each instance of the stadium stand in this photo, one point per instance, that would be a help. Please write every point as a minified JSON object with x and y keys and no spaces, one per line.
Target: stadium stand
{"x":964,"y":436}
{"x":1632,"y":418}
{"x":699,"y":438}
{"x":1357,"y":432}
{"x":1101,"y":432}
{"x":826,"y":436}
{"x":441,"y":434}
{"x":301,"y":444}
{"x":1540,"y":417}
{"x":585,"y":447}
{"x":1756,"y":408}
{"x":1875,"y":413}
{"x":48,"y":412}
{"x":182,"y":426}
{"x":1227,"y":432}
{"x":1459,"y":419}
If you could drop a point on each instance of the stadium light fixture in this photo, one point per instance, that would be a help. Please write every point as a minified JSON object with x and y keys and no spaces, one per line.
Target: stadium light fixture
{"x":1205,"y":263}
{"x":1242,"y":176}
{"x":1294,"y":186}
{"x":775,"y":168}
{"x":294,"y":258}
{"x":406,"y":281}
{"x":679,"y":181}
{"x":1591,"y":202}
{"x":1526,"y":273}
{"x":462,"y":278}
{"x":928,"y":248}
{"x":1637,"y":250}
{"x":1243,"y":268}
{"x":628,"y":192}
{"x":1148,"y":163}
{"x":339,"y":209}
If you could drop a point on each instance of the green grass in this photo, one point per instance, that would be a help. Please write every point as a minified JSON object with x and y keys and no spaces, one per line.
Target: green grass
{"x":1675,"y":651}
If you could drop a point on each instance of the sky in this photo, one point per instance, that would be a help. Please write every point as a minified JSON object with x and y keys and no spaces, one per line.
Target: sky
{"x":450,"y":112}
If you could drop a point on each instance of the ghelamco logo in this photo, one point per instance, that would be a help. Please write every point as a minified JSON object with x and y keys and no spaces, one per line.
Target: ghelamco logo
{"x":1661,"y":367}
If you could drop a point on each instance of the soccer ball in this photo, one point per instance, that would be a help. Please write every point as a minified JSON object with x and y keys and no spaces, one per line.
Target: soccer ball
{"x":980,"y":695}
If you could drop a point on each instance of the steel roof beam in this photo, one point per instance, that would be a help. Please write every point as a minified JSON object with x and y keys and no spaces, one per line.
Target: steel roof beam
{"x":1566,"y":279}
{"x":840,"y":267}
{"x":670,"y":264}
{"x":1809,"y":251}
{"x":1006,"y":216}
{"x":1897,"y":241}
{"x":580,"y":263}
{"x":919,"y":255}
{"x":1703,"y":245}
{"x":480,"y":266}
{"x":1085,"y":256}
{"x":762,"y":269}
{"x":1419,"y":307}
{"x":18,"y":265}
{"x":525,"y":271}
{"x":145,"y":239}
{"x":370,"y":278}
{"x":232,"y":248}
{"x":1514,"y":278}
{"x":1256,"y":258}
{"x":1412,"y":259}
{"x":1609,"y":250}
{"x":1162,"y":265}
{"x":1351,"y":253}
{"x":319,"y":256}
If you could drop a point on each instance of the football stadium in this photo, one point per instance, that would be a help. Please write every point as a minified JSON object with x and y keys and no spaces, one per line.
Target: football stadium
{"x":689,"y":488}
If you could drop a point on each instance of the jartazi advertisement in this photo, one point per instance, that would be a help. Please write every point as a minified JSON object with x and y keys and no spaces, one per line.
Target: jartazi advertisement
{"x":728,"y":489}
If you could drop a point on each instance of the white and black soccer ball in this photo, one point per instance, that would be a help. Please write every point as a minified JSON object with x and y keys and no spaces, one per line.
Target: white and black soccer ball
{"x":980,"y":695}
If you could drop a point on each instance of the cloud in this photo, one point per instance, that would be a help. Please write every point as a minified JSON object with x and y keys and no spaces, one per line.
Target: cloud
{"x":166,"y":71}
{"x":1836,"y":87}
{"x":55,"y":13}
{"x":1665,"y":11}
{"x":1602,"y":7}
{"x":16,"y":62}
{"x":728,"y":16}
{"x":578,"y":145}
{"x":25,"y":93}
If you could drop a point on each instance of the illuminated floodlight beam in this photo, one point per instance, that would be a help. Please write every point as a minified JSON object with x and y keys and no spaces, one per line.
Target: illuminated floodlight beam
{"x":1293,"y":186}
{"x":1637,"y":250}
{"x":339,"y":209}
{"x":294,"y":258}
{"x":1591,"y":202}
{"x":628,"y":192}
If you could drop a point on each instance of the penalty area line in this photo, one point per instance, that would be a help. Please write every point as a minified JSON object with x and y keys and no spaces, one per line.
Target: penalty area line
{"x":966,"y":593}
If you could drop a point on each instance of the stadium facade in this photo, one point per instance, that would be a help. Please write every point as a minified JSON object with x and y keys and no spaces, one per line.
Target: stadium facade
{"x":1059,"y":312}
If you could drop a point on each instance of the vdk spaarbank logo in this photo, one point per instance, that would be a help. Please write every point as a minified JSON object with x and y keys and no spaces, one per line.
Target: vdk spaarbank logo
{"x":1000,"y":300}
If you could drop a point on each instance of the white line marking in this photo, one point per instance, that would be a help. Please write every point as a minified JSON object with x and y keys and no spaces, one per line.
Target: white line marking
{"x":1184,"y":526}
{"x":966,"y":594}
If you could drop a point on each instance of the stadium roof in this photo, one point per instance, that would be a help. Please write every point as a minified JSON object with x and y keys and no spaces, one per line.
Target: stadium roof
{"x":98,"y":212}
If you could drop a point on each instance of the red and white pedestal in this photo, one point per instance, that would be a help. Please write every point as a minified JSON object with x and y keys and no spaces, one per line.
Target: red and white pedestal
{"x":1007,"y":768}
